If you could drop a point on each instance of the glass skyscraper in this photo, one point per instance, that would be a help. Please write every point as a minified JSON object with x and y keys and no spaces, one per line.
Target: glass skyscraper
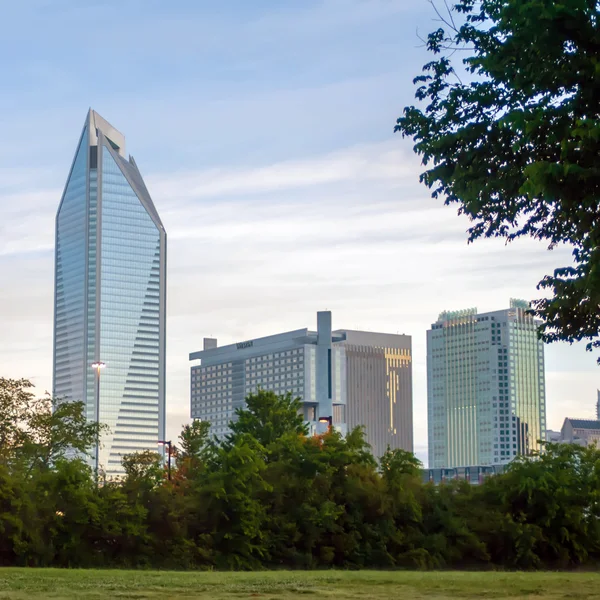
{"x":486,"y":395}
{"x":110,"y":293}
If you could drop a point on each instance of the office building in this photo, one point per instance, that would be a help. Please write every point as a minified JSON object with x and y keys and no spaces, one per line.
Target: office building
{"x":379,"y":387}
{"x":110,"y":292}
{"x":486,"y":395}
{"x":357,"y":378}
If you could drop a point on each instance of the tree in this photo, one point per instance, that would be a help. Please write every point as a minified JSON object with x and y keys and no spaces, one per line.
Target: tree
{"x":16,"y":400}
{"x":517,"y":144}
{"x":401,"y":475}
{"x":144,"y":468}
{"x":235,"y":516}
{"x":554,"y":503}
{"x":39,"y":431}
{"x":398,"y":464}
{"x":268,"y":416}
{"x":194,"y":439}
{"x":57,"y":428}
{"x":196,"y":449}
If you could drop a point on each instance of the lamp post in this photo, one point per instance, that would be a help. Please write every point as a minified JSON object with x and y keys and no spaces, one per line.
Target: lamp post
{"x":328,"y":420}
{"x":167,"y":443}
{"x":98,"y":366}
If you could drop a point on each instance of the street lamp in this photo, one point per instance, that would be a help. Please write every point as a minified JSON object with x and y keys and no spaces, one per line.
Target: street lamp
{"x":167,"y":443}
{"x":98,"y":366}
{"x":328,"y":420}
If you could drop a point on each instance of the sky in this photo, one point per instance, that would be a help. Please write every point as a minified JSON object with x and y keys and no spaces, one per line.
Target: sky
{"x":264,"y":131}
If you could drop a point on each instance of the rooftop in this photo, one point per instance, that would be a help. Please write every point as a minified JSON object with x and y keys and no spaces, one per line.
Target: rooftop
{"x":584,"y":423}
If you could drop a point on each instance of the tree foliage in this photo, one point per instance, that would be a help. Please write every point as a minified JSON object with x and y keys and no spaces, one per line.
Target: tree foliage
{"x":37,"y":432}
{"x":267,"y":417}
{"x":517,"y":143}
{"x":300,"y":502}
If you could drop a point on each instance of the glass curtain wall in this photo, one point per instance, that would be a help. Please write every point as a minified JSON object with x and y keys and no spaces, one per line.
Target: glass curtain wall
{"x":70,"y":357}
{"x":130,"y":318}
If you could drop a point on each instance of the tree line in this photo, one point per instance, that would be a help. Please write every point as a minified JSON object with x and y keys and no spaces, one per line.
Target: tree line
{"x":272,"y":496}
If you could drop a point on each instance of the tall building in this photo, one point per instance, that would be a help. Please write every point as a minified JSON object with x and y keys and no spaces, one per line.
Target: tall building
{"x":379,"y":387}
{"x":486,"y":395}
{"x":110,"y":293}
{"x":357,"y":378}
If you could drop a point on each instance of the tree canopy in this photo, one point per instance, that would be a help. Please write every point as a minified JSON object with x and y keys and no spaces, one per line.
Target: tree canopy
{"x":508,"y":126}
{"x":271,"y":496}
{"x":39,"y":431}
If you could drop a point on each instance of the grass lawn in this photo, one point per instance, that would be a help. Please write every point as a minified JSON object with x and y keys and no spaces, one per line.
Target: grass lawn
{"x":35,"y":584}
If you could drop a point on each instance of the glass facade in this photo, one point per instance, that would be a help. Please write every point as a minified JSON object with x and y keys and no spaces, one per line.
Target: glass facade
{"x":70,"y":282}
{"x":129,"y":317}
{"x":110,"y":297}
{"x":485,"y":387}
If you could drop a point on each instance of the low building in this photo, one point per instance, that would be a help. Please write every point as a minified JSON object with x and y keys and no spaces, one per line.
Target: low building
{"x":474,"y":475}
{"x":578,"y":431}
{"x":581,"y":431}
{"x":553,"y":437}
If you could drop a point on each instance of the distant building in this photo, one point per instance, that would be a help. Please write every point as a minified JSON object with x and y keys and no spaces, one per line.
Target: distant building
{"x":474,"y":475}
{"x":485,"y":387}
{"x":379,"y":387}
{"x":355,"y":377}
{"x":581,"y":431}
{"x":110,"y":295}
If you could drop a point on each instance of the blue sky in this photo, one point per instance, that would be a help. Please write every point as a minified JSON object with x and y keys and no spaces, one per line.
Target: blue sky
{"x":264,"y":130}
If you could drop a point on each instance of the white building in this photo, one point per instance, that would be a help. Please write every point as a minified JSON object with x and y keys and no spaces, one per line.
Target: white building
{"x":485,"y":387}
{"x":354,"y":377}
{"x":302,"y":362}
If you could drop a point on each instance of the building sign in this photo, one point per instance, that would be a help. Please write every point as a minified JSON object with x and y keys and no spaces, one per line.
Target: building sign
{"x":242,"y":345}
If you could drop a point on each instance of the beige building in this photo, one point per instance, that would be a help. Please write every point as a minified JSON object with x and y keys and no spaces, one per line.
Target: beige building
{"x":581,"y":431}
{"x":379,"y":388}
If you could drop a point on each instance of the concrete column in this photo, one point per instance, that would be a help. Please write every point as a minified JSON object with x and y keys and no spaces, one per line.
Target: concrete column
{"x":324,"y":366}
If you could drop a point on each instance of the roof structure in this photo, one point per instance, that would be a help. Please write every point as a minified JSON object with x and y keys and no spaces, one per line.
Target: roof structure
{"x":584,"y":423}
{"x":99,"y":129}
{"x":113,"y":135}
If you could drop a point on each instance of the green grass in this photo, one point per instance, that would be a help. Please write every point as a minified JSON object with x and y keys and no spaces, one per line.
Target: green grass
{"x":55,"y":584}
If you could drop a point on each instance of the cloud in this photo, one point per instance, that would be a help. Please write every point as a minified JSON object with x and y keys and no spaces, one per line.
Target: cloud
{"x":27,"y":221}
{"x":366,"y":163}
